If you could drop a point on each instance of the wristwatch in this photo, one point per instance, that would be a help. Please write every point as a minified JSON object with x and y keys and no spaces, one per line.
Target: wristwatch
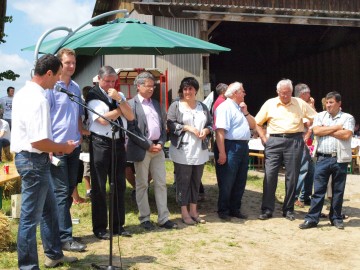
{"x":121,"y":101}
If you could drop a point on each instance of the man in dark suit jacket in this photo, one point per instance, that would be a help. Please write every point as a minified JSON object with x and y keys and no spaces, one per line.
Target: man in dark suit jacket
{"x":147,"y":154}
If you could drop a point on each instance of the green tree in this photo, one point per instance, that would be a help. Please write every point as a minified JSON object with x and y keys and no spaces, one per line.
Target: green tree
{"x":8,"y":74}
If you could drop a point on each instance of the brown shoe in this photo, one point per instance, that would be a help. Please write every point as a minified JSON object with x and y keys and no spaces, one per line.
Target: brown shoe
{"x":299,"y":204}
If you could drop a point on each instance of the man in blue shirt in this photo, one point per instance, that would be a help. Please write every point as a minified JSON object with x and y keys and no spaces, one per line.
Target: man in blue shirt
{"x":233,"y":123}
{"x":66,"y":125}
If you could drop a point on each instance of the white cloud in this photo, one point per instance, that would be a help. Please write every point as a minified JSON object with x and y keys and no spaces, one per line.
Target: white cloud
{"x":18,"y":65}
{"x":49,"y":14}
{"x":31,"y":20}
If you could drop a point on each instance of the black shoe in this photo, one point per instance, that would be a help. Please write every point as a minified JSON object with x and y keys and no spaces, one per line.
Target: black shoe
{"x":224,"y":217}
{"x":147,"y":225}
{"x":265,"y":216}
{"x":104,"y":235}
{"x":124,"y":232}
{"x":307,"y":202}
{"x":73,"y":246}
{"x":239,"y":215}
{"x":307,"y":225}
{"x":290,"y":215}
{"x":338,"y":224}
{"x":169,"y":225}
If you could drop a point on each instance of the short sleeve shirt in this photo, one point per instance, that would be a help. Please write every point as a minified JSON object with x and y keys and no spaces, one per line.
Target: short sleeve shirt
{"x":328,"y":144}
{"x":230,"y":118}
{"x":30,"y":118}
{"x":284,"y":118}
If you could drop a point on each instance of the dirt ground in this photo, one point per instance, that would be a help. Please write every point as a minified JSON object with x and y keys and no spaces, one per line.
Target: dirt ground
{"x":251,"y":244}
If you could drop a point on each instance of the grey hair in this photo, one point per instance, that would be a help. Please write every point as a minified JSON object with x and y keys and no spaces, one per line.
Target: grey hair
{"x":142,"y":77}
{"x":284,"y":82}
{"x":107,"y":71}
{"x":221,"y":88}
{"x":301,"y":88}
{"x":235,"y":86}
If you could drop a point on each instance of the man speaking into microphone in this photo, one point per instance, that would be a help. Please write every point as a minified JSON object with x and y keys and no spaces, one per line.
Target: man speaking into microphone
{"x":66,"y":125}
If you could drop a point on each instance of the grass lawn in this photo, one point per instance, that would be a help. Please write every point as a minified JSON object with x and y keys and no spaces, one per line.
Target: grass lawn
{"x":140,"y":240}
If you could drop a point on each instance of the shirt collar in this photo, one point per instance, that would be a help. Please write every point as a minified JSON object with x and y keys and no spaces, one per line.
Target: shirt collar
{"x":338,"y":115}
{"x":233,"y":102}
{"x":106,"y":95}
{"x":143,"y":100}
{"x":278,"y":102}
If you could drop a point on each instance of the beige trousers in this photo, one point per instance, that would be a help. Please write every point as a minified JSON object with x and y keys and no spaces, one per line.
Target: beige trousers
{"x":155,"y":163}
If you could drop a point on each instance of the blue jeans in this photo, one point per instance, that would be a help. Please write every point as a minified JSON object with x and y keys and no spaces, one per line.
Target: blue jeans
{"x":38,"y":206}
{"x":326,"y":166}
{"x":306,"y":177}
{"x":64,"y":180}
{"x":232,"y":176}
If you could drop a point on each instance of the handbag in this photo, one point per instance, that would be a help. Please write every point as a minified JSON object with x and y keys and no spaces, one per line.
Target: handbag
{"x":344,"y":154}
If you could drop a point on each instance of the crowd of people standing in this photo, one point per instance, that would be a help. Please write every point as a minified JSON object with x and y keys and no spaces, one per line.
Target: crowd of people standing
{"x":121,"y":131}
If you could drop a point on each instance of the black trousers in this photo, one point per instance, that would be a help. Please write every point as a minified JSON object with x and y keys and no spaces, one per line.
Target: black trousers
{"x":100,"y":171}
{"x":279,"y":151}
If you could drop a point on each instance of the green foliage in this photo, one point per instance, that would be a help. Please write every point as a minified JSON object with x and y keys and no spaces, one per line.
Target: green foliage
{"x":9,"y":74}
{"x":3,"y":21}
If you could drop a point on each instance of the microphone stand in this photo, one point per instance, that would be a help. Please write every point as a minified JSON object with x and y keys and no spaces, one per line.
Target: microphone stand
{"x":114,"y":127}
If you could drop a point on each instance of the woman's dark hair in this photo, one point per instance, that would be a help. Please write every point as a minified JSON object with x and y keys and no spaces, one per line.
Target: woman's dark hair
{"x":186,"y":82}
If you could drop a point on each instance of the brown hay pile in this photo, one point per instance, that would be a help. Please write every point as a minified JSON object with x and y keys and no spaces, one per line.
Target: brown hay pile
{"x":5,"y":234}
{"x":6,"y":155}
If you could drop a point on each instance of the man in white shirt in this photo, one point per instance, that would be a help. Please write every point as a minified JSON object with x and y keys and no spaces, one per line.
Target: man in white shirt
{"x":6,"y":104}
{"x":32,"y":141}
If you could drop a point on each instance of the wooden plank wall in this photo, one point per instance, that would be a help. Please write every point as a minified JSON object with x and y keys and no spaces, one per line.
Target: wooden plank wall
{"x":334,"y":70}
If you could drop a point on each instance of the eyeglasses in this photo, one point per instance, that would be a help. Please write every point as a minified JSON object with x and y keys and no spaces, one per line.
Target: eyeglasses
{"x":285,"y":94}
{"x":149,"y":86}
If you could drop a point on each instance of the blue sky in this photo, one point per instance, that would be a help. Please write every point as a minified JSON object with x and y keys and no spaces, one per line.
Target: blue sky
{"x":30,"y":20}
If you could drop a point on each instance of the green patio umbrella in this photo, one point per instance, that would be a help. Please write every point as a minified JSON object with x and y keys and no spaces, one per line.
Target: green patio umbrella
{"x":130,"y":36}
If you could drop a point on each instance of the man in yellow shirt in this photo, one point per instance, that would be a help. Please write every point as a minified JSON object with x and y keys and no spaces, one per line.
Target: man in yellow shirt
{"x":283,"y":116}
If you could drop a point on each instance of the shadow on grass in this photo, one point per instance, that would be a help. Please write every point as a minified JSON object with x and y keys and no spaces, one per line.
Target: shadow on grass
{"x":102,"y":262}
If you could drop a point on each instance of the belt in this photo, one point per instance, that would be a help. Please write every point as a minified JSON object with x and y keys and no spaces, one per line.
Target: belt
{"x":238,"y":141}
{"x":103,"y":138}
{"x":286,"y":135}
{"x":27,"y":153}
{"x":326,"y":155}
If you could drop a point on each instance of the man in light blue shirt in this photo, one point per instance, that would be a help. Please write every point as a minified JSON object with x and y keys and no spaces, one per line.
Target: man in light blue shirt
{"x":231,"y":151}
{"x":66,"y":125}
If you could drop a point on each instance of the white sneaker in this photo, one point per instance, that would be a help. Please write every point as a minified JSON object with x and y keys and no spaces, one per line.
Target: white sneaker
{"x":49,"y":263}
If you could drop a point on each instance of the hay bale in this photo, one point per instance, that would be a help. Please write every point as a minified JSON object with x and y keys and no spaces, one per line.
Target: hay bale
{"x":6,"y":155}
{"x":5,"y":234}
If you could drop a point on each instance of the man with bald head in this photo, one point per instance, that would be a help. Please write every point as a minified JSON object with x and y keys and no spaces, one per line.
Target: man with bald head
{"x":231,"y":150}
{"x":283,"y":116}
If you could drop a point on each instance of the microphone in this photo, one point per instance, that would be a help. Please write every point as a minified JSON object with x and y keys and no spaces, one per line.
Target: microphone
{"x":60,"y":89}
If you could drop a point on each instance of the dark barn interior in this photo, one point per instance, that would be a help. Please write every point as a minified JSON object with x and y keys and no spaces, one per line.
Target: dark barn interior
{"x":324,"y":57}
